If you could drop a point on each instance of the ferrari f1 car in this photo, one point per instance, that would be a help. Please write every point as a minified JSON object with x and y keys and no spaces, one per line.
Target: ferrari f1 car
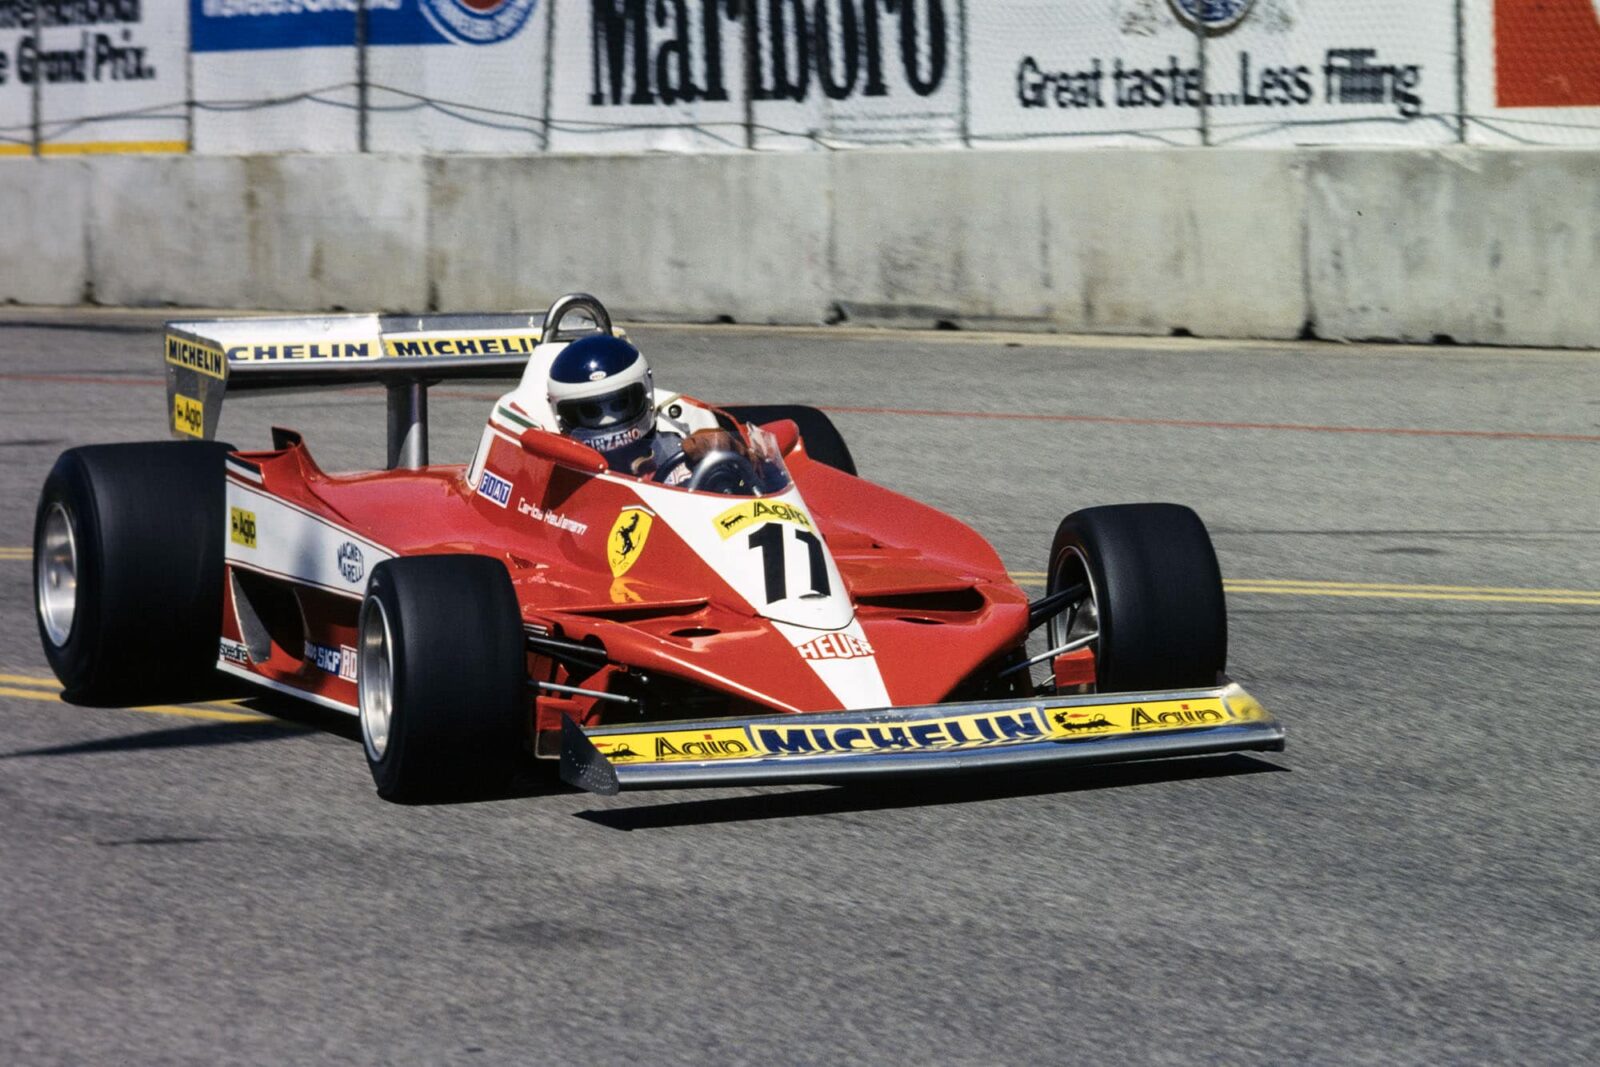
{"x":774,"y":618}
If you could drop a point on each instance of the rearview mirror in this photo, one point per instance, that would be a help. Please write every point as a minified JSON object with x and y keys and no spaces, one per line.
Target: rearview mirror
{"x":563,"y":451}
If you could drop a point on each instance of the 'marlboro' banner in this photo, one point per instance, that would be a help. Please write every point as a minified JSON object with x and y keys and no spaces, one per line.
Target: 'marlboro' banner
{"x":93,"y":76}
{"x":768,"y":74}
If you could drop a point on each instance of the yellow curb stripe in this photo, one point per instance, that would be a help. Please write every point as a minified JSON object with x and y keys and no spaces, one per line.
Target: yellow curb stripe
{"x":28,"y":679}
{"x":1397,"y":594}
{"x":95,"y":148}
{"x":211,"y":710}
{"x":1295,"y":582}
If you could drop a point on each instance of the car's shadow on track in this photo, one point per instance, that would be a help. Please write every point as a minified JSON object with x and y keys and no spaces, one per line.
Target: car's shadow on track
{"x":923,"y":792}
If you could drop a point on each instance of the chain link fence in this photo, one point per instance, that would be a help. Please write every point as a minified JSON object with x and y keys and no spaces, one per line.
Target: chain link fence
{"x":520,"y":76}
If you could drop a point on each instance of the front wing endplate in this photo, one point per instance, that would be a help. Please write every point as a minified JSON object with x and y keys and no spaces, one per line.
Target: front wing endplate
{"x":933,"y":739}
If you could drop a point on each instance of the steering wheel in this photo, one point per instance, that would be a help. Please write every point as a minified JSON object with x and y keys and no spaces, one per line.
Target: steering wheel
{"x":717,"y":472}
{"x":667,"y":465}
{"x":724,"y":472}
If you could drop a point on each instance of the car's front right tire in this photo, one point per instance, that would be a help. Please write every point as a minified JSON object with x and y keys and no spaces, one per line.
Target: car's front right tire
{"x":442,"y":678}
{"x":1152,"y":606}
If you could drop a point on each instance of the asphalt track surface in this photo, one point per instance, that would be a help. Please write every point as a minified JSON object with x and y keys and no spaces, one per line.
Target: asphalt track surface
{"x":1410,"y":537}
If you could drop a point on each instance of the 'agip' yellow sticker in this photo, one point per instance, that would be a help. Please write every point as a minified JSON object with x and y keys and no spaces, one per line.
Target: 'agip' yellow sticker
{"x":745,"y":516}
{"x":667,"y":746}
{"x":1102,"y":719}
{"x":242,"y":527}
{"x":188,"y":415}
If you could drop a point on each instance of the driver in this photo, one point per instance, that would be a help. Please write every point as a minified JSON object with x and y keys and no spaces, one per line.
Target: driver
{"x":603,"y":396}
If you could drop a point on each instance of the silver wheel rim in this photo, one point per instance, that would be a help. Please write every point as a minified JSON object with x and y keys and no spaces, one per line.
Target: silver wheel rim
{"x":1082,"y":617}
{"x":57,"y":575}
{"x":375,"y":678}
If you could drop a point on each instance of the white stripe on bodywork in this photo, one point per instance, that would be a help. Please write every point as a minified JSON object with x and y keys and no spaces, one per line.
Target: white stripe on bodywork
{"x":258,"y":679}
{"x":857,"y":682}
{"x":296,"y":544}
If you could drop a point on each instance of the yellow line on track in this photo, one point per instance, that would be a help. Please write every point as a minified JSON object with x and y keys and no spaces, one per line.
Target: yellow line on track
{"x":1388,"y":590}
{"x":44,"y":689}
{"x":1397,"y":594}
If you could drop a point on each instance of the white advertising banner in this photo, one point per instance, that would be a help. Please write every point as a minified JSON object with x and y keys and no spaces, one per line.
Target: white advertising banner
{"x":774,"y":74}
{"x":1295,"y":72}
{"x":440,"y":75}
{"x":1246,"y":71}
{"x":276,"y":75}
{"x":481,"y":88}
{"x":1117,"y":72}
{"x":513,"y":76}
{"x":109,"y":74}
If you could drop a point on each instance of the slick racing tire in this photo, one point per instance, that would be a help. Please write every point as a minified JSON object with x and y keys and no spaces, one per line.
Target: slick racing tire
{"x":822,"y":439}
{"x":1153,"y":595}
{"x":127,"y":570}
{"x":441,"y":677}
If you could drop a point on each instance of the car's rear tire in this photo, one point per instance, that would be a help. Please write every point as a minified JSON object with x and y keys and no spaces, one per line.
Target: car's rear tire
{"x":127,"y":570}
{"x":823,"y":441}
{"x":1154,"y":596}
{"x":442,"y":678}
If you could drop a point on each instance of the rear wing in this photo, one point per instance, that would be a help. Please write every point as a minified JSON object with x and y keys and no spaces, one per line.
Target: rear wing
{"x":209,"y":358}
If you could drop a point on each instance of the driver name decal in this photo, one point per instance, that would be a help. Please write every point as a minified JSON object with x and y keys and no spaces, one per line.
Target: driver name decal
{"x":744,"y":516}
{"x":627,"y":539}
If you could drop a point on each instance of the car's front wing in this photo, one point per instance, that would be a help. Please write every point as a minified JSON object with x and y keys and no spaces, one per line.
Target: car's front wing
{"x":933,"y":739}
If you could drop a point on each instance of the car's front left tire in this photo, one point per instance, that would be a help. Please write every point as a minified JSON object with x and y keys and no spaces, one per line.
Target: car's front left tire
{"x":127,"y":570}
{"x":442,"y":678}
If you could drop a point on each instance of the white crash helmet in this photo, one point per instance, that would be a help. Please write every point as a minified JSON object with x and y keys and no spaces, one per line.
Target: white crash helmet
{"x":602,"y":393}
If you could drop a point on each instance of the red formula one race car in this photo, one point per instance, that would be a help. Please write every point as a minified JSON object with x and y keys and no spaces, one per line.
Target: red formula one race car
{"x":763,"y":616}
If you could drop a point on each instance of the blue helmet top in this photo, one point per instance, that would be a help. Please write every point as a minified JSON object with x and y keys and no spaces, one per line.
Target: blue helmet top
{"x":593,"y":359}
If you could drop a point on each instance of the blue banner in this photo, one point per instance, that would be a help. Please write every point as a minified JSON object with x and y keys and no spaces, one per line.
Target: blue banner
{"x":264,"y":25}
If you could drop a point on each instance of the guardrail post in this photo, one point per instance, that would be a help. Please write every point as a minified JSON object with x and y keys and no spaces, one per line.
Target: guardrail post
{"x":1461,"y":73}
{"x":36,"y":90}
{"x":361,"y":75}
{"x":549,"y":68}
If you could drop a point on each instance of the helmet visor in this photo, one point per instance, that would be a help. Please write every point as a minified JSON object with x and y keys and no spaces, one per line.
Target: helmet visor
{"x":609,"y":409}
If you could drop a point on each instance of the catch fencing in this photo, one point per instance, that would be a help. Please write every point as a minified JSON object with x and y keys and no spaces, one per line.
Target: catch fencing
{"x":228,"y":77}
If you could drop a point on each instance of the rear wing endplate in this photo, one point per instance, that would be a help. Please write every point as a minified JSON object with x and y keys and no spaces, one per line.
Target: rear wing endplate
{"x":936,"y":739}
{"x":208,"y":358}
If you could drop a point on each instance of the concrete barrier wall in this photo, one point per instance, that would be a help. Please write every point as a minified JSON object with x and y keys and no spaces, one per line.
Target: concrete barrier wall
{"x":1496,"y":246}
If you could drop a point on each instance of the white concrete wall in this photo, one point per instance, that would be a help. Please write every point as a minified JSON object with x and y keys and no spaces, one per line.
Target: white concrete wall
{"x":661,"y":236}
{"x":44,"y":230}
{"x":1097,"y":241}
{"x":259,"y":231}
{"x":1497,"y":246}
{"x":1493,"y":247}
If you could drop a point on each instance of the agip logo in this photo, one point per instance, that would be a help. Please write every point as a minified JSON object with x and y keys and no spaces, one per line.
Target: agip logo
{"x":478,"y":21}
